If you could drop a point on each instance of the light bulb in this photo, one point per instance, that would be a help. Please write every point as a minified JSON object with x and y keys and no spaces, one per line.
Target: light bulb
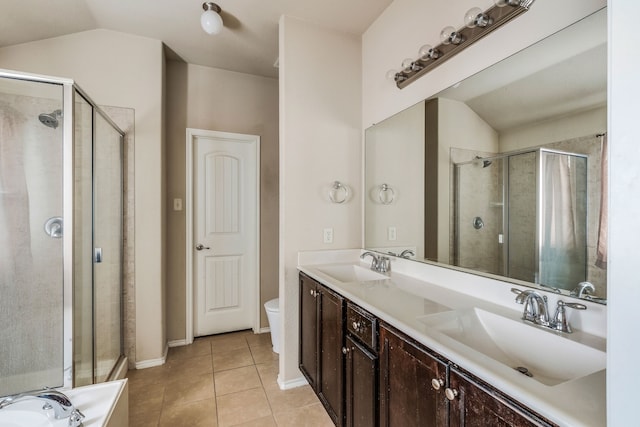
{"x":210,"y":20}
{"x":406,"y":65}
{"x":391,"y":74}
{"x":471,"y":16}
{"x":427,"y":52}
{"x":449,"y":35}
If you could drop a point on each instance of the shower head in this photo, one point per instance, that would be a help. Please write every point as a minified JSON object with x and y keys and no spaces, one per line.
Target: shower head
{"x":51,"y":119}
{"x":482,"y":162}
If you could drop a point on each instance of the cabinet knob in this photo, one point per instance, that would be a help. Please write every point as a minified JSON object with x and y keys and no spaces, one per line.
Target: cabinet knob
{"x":313,"y":293}
{"x":451,"y":393}
{"x":356,"y":326}
{"x":436,"y":383}
{"x":345,"y":350}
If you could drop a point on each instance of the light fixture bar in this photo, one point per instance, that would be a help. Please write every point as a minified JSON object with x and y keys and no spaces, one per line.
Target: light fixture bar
{"x":498,"y":15}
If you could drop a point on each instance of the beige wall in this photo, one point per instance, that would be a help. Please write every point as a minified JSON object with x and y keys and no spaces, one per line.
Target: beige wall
{"x":320,"y":142}
{"x":212,"y":99}
{"x":121,"y":70}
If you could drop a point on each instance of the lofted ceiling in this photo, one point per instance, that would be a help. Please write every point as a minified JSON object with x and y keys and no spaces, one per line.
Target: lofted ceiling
{"x":247,"y":44}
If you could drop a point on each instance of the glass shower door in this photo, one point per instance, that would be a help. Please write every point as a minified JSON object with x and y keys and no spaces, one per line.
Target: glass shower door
{"x":108,"y":247}
{"x":31,"y":231}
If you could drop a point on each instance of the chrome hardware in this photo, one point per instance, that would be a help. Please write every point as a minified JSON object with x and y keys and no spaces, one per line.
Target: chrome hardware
{"x":583,"y":290}
{"x":478,"y":223}
{"x":379,"y":263}
{"x":97,"y":255}
{"x":451,"y":393}
{"x":61,"y":405}
{"x":336,"y":189}
{"x":53,"y":227}
{"x":313,"y":293}
{"x":200,"y":247}
{"x":536,"y":309}
{"x":560,"y":322}
{"x":345,"y":350}
{"x":386,"y":195}
{"x":357,"y":327}
{"x":436,"y":383}
{"x":407,"y":253}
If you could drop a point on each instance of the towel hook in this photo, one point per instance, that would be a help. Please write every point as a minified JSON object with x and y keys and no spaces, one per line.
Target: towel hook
{"x":386,"y":194}
{"x":339,"y":192}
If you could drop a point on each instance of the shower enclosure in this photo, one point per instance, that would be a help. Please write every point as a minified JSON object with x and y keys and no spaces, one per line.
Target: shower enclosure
{"x":524,"y":216}
{"x":61,"y":236}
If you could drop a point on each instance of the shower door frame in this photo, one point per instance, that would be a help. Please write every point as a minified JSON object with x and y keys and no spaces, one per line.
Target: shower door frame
{"x":69,"y":89}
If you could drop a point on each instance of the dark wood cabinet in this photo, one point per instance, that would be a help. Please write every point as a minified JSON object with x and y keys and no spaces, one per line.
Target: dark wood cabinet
{"x":361,"y":373}
{"x":321,"y":342}
{"x":475,"y":404}
{"x":361,"y":385}
{"x":370,"y":375}
{"x":308,"y":351}
{"x":408,"y":374}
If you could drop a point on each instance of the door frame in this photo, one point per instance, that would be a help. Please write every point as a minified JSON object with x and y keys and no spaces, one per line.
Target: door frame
{"x":254,"y":140}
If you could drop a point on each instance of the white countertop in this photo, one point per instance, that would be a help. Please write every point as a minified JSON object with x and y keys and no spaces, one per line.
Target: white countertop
{"x":401,"y":299}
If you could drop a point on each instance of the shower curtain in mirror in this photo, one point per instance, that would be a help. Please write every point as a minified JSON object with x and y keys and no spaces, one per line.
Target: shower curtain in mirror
{"x":562,"y":240}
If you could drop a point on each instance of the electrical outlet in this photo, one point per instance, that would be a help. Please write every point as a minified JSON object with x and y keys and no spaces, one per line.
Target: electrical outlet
{"x":391,"y":233}
{"x":177,"y":204}
{"x":328,"y":235}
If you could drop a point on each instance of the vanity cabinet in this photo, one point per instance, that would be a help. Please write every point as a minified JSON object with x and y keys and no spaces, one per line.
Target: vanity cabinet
{"x":321,"y":344}
{"x":476,"y":404}
{"x":361,"y":391}
{"x":407,"y":395}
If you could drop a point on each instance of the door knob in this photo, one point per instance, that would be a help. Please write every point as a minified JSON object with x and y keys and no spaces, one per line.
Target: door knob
{"x":200,"y":247}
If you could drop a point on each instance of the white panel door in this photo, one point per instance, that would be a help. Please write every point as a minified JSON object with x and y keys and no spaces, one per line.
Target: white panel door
{"x":225,"y":232}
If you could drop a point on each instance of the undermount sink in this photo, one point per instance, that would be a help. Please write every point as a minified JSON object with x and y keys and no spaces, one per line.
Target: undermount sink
{"x":544,"y":356}
{"x":351,"y":273}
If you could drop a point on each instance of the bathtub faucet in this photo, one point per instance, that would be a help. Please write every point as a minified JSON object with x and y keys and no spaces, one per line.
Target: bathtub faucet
{"x":61,"y":405}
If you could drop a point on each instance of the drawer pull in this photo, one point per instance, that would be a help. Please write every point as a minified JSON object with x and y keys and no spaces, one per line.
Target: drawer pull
{"x":436,"y":383}
{"x":451,"y":393}
{"x":345,"y":350}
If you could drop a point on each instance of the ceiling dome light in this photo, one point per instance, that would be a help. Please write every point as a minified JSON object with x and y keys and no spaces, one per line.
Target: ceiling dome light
{"x":211,"y":20}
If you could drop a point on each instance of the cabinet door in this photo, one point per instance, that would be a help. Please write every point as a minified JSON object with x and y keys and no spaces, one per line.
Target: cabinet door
{"x":330,"y":386}
{"x":476,"y":404}
{"x":308,"y":351}
{"x":361,"y":390}
{"x":407,"y":397}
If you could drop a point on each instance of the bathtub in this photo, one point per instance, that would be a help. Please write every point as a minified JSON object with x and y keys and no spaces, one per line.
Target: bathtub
{"x":103,"y":405}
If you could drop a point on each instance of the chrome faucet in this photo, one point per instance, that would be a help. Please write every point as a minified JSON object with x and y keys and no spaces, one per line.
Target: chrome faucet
{"x":379,"y":263}
{"x":61,"y":405}
{"x":583,"y":289}
{"x":407,"y":253}
{"x":536,"y":310}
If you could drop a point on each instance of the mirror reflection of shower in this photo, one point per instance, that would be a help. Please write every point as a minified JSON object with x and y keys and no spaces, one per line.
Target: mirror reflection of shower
{"x":52,"y":119}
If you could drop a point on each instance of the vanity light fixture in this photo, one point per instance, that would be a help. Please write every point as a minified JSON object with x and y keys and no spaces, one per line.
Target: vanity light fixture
{"x":478,"y":23}
{"x":211,"y":21}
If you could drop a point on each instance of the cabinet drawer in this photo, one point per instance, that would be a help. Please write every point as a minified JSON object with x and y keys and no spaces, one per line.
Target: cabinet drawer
{"x":363,"y":326}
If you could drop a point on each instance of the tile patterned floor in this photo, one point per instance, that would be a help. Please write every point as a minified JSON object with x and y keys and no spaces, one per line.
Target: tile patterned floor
{"x":219,"y":381}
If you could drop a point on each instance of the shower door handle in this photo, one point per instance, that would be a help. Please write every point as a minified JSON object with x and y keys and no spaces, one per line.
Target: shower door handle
{"x":97,"y":255}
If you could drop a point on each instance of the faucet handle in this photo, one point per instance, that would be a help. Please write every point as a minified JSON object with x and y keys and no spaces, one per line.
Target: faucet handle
{"x":560,"y":322}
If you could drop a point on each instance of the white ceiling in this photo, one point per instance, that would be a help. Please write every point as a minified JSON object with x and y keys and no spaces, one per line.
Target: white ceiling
{"x":247,"y":44}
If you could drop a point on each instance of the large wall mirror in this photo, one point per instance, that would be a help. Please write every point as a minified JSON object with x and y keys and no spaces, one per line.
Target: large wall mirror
{"x":502,"y":173}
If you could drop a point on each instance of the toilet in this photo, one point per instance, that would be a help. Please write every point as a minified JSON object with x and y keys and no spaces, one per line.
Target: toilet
{"x":272,"y":308}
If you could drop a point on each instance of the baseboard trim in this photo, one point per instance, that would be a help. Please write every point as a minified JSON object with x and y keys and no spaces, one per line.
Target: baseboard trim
{"x":264,"y":330}
{"x":294,"y":383}
{"x":177,"y":343}
{"x":144,"y":364}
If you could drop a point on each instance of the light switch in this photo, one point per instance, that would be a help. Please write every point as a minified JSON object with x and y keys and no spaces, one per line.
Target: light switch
{"x":391,"y":233}
{"x":328,"y":235}
{"x":177,"y":204}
